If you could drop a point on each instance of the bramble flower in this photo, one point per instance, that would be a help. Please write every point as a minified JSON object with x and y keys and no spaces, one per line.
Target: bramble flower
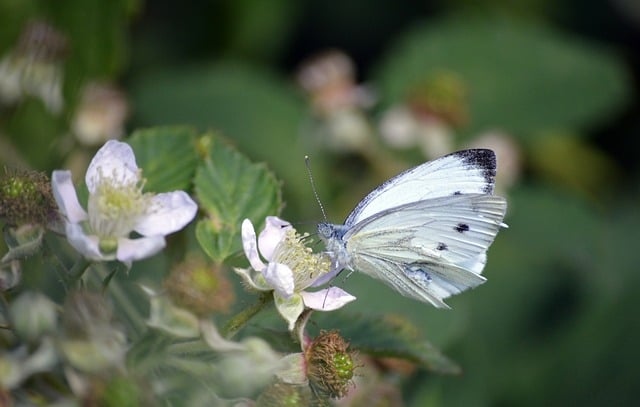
{"x":101,"y":114}
{"x":34,"y":68}
{"x":291,"y":269}
{"x":118,"y":208}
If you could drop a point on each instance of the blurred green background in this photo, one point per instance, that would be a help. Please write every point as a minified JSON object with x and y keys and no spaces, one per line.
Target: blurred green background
{"x":557,"y":81}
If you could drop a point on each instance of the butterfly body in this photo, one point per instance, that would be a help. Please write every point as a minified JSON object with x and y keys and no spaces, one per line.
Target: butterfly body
{"x":426,"y":231}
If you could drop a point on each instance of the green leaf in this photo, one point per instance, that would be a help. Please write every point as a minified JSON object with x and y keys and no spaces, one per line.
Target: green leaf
{"x":261,"y":112}
{"x":519,"y":77}
{"x":390,"y":336}
{"x":167,"y":156}
{"x":230,"y":188}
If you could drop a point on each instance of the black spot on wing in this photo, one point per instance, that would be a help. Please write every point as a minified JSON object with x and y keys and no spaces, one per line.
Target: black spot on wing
{"x":485,"y":160}
{"x":442,"y":246}
{"x":461,"y":227}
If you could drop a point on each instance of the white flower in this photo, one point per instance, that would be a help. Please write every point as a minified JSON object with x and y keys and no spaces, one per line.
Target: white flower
{"x":34,"y":67}
{"x":291,"y":269}
{"x":101,"y":114}
{"x":117,"y":208}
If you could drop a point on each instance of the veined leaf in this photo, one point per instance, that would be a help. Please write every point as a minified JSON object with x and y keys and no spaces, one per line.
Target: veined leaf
{"x":167,"y":156}
{"x":391,"y":336}
{"x":230,"y":188}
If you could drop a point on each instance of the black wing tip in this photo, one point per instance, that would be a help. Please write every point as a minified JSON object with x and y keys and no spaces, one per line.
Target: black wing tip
{"x":483,"y":159}
{"x":478,"y":157}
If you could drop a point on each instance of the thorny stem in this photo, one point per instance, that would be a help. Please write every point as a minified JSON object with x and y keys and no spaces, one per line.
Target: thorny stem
{"x":240,"y":319}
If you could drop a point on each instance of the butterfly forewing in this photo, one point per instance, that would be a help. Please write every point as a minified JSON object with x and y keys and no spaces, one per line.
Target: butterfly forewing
{"x":455,"y":229}
{"x":464,"y":172}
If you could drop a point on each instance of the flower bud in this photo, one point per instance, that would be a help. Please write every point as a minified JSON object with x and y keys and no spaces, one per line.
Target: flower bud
{"x":200,"y":287}
{"x":330,"y":365}
{"x":288,"y":395}
{"x":101,"y":114}
{"x":34,"y":67}
{"x":117,"y":391}
{"x":91,"y":340}
{"x":26,"y":198}
{"x":33,"y":315}
{"x":442,"y":95}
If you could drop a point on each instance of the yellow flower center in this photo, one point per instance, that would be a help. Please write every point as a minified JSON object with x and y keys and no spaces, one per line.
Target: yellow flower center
{"x":305,"y":265}
{"x":116,"y":206}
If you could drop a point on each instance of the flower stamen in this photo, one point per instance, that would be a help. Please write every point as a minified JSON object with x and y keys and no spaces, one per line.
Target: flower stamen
{"x":306,"y":265}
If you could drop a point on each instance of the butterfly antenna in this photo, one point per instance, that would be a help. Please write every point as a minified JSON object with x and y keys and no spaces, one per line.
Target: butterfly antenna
{"x":313,"y":186}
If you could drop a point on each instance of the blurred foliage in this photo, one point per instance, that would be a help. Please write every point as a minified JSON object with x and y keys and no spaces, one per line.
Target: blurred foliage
{"x":555,"y":324}
{"x":522,"y":78}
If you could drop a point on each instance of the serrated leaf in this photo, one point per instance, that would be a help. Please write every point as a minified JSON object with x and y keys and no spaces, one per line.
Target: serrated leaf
{"x":167,"y":156}
{"x":391,"y":337}
{"x":230,"y":188}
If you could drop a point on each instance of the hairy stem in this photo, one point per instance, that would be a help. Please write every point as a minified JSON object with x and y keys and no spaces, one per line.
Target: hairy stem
{"x":240,"y":320}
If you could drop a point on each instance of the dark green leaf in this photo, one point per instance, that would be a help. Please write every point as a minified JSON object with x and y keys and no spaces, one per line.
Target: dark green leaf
{"x":230,"y":188}
{"x":391,"y":337}
{"x":167,"y":156}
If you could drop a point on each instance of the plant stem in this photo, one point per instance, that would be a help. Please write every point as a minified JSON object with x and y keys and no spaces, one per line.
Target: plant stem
{"x":77,"y":270}
{"x":123,"y":301}
{"x":240,"y":319}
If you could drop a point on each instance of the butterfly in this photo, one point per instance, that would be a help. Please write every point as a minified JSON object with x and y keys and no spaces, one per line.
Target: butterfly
{"x":426,"y":231}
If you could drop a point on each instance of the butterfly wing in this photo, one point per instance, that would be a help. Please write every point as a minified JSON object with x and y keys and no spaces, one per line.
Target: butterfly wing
{"x":430,"y":249}
{"x":463,"y":172}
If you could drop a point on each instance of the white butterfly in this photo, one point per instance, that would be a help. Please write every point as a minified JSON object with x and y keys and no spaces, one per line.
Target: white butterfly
{"x":426,"y":231}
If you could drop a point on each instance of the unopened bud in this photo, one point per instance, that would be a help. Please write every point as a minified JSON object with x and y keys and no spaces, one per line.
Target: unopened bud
{"x":200,"y":287}
{"x":32,"y":315}
{"x":26,"y":198}
{"x":330,"y":365}
{"x":92,"y":341}
{"x":288,"y":395}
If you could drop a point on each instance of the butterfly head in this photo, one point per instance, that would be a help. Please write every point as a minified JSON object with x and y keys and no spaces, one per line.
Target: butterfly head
{"x":332,"y":235}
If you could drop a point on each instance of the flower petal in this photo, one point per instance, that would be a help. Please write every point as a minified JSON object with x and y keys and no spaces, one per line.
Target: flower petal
{"x":248,"y":276}
{"x":280,"y":277}
{"x":66,"y":198}
{"x":328,"y":299}
{"x":87,"y":245}
{"x":140,"y":248}
{"x":325,"y":278}
{"x":273,"y":232}
{"x":290,"y":308}
{"x":115,"y":160}
{"x":250,"y":246}
{"x":170,"y":212}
